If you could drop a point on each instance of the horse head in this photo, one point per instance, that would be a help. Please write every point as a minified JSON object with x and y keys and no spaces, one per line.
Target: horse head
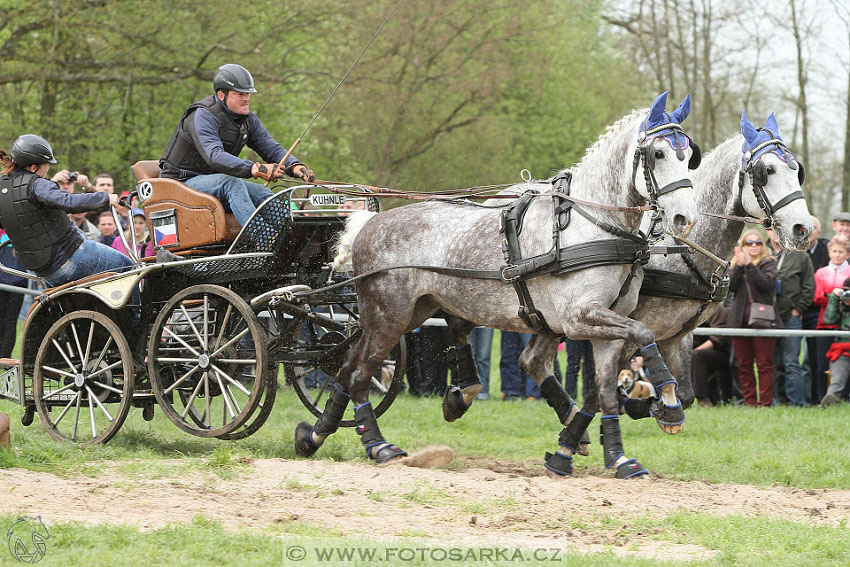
{"x":663,"y":155}
{"x":769,"y":184}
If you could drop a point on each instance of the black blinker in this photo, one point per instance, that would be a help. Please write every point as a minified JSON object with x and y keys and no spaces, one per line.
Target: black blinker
{"x":759,"y":174}
{"x":696,"y":156}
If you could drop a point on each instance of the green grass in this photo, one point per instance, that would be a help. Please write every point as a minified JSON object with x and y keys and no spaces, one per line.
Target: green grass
{"x":733,"y":540}
{"x":804,"y":448}
{"x":800,"y":447}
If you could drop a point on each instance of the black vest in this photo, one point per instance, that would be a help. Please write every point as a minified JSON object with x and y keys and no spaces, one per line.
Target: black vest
{"x":182,"y":159}
{"x":37,"y":232}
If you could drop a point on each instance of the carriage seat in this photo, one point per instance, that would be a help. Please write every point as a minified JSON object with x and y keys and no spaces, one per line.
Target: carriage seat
{"x":179,"y":217}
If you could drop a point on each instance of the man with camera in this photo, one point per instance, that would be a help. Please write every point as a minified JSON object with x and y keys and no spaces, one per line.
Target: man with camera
{"x":838,"y":312}
{"x":795,"y":288}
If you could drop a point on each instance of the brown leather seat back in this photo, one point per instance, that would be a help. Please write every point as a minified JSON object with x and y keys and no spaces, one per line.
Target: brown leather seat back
{"x":200,"y":218}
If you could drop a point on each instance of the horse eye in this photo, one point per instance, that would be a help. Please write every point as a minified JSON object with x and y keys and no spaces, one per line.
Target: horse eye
{"x":659,"y":154}
{"x":771,"y":170}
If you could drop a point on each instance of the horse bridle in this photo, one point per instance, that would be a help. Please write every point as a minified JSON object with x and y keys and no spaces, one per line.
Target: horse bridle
{"x":643,"y":155}
{"x":758,"y":172}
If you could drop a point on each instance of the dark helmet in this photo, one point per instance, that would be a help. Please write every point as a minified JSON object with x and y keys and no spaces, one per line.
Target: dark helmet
{"x":232,"y":77}
{"x":30,"y":149}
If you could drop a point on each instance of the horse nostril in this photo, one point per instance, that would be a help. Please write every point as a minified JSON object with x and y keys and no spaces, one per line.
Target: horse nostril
{"x":800,"y":232}
{"x":680,"y":222}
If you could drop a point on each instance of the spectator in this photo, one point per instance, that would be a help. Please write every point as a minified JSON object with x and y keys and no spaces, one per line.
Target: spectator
{"x":841,"y":224}
{"x":89,"y":230}
{"x":827,"y":279}
{"x":753,"y":279}
{"x":33,"y":211}
{"x":144,"y":246}
{"x":123,"y":211}
{"x":103,"y":184}
{"x":516,"y":383}
{"x":10,"y":301}
{"x":710,"y":364}
{"x":481,"y":339}
{"x":838,"y":312}
{"x":107,"y":228}
{"x":66,"y":183}
{"x":795,"y":291}
{"x":820,"y":257}
{"x":429,"y":360}
{"x":576,"y":351}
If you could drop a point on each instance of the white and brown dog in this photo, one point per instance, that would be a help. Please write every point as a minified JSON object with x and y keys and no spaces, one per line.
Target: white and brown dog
{"x":639,"y":388}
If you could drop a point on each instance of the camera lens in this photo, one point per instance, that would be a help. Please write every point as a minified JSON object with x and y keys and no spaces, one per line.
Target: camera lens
{"x":845,"y":295}
{"x":72,"y":177}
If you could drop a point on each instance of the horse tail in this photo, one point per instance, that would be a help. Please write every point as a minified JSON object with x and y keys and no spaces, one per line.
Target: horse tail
{"x":353,"y":225}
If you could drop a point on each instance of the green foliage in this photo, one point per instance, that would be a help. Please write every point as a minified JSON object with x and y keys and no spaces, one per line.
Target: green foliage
{"x":450,"y":94}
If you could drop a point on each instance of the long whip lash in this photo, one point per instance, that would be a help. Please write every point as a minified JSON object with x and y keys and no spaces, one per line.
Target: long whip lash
{"x":344,"y":77}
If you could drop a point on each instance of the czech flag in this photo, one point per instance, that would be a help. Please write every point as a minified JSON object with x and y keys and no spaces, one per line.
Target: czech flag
{"x":165,"y":235}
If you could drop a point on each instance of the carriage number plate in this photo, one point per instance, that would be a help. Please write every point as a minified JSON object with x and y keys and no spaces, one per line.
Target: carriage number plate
{"x":325,"y":200}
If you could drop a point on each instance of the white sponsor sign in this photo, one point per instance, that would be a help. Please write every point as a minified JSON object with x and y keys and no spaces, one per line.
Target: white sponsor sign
{"x":324,"y":200}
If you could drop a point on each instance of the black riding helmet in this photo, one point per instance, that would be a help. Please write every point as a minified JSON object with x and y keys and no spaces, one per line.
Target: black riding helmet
{"x":232,"y":77}
{"x":30,"y":149}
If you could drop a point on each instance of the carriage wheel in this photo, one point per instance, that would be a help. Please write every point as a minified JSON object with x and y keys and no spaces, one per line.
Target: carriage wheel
{"x":264,"y":409}
{"x":207,"y":360}
{"x":317,"y":353}
{"x":83,"y":378}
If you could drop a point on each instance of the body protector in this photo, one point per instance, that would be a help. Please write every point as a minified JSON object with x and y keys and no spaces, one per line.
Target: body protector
{"x":182,"y":157}
{"x":36,"y":232}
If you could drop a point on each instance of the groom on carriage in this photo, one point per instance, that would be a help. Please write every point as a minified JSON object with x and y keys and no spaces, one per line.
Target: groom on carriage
{"x":204,"y":148}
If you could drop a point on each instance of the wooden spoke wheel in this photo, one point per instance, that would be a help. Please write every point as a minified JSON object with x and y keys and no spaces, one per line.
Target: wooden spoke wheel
{"x":318,"y":348}
{"x":83,"y":378}
{"x":207,"y":360}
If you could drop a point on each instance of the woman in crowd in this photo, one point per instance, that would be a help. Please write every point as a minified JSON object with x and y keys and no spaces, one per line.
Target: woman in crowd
{"x":753,"y":280}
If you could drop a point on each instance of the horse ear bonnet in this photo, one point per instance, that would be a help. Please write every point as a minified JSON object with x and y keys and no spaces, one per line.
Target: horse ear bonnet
{"x":696,"y":156}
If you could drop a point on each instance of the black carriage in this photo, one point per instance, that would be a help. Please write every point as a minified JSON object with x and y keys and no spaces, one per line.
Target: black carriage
{"x":203,"y":328}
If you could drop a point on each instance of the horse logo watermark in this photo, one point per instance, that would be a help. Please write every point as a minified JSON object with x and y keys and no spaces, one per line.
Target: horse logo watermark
{"x":26,"y":539}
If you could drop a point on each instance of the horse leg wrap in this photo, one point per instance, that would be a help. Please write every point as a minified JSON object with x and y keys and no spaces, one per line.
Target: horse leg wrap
{"x":370,"y":435}
{"x":571,"y":435}
{"x":327,"y":424}
{"x":665,"y":414}
{"x":558,"y":399}
{"x":635,"y":408}
{"x":612,"y":445}
{"x":559,"y":463}
{"x":466,"y":385}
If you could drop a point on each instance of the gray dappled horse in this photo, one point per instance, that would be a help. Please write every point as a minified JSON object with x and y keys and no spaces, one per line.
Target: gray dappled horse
{"x":751,"y":174}
{"x":642,"y":158}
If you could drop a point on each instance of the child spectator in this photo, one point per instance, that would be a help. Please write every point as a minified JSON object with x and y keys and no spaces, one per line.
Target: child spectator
{"x":837,"y":312}
{"x":827,"y":279}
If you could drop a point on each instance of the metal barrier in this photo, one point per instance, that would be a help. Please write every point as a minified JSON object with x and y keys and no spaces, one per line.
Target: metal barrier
{"x":16,"y":289}
{"x":722,"y":331}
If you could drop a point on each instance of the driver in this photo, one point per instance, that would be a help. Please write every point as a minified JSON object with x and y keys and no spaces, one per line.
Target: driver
{"x":33,"y":213}
{"x":204,"y":148}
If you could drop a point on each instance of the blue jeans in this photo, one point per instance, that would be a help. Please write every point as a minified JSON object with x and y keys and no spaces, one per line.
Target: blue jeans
{"x":576,"y":350}
{"x":90,"y":258}
{"x":239,"y":196}
{"x":515,"y":382}
{"x":481,"y":339}
{"x":789,"y":349}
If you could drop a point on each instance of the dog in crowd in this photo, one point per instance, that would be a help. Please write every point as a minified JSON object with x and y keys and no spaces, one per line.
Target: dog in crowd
{"x":635,"y":388}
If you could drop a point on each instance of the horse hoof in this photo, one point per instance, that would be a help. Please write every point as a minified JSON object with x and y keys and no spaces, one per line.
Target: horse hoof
{"x":554,"y":475}
{"x":584,"y":444}
{"x":304,"y":444}
{"x":387,"y":453}
{"x":669,"y":418}
{"x":454,"y":405}
{"x":631,"y":469}
{"x":558,"y":464}
{"x":670,"y":429}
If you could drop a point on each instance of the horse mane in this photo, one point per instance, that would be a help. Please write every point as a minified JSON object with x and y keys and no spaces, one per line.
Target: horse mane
{"x":711,"y":174}
{"x":601,"y":169}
